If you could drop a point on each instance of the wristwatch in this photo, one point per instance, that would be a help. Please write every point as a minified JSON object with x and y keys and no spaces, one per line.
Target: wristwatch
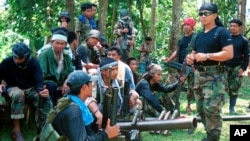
{"x":207,"y":56}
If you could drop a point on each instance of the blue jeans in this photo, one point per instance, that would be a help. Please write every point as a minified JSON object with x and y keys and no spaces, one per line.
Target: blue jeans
{"x":144,"y":66}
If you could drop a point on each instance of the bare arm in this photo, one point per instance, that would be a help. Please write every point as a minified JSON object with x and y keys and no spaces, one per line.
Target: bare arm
{"x":224,"y":55}
{"x":172,"y":56}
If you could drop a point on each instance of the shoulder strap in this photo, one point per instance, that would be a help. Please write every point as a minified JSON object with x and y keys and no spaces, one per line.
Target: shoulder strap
{"x":191,"y":43}
{"x":217,"y":32}
{"x":62,"y":103}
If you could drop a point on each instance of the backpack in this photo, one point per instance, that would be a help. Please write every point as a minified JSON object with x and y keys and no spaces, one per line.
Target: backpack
{"x":48,"y":133}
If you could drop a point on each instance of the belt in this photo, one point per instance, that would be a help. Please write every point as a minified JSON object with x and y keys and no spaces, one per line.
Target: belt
{"x":213,"y":68}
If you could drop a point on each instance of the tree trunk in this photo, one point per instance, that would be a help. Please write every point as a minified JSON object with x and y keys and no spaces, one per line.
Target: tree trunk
{"x":103,"y":9}
{"x":114,"y":16}
{"x":141,"y":8}
{"x":243,"y":13}
{"x":70,"y":6}
{"x":176,"y":12}
{"x":153,"y":17}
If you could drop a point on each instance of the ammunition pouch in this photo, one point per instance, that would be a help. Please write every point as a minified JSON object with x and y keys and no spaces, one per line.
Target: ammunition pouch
{"x":48,"y":133}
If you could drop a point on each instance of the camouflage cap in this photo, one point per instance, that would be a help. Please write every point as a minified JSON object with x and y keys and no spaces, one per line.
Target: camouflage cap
{"x":154,"y":68}
{"x":94,"y":34}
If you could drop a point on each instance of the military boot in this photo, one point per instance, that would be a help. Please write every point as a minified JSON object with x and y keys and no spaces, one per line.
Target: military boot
{"x":232,"y":103}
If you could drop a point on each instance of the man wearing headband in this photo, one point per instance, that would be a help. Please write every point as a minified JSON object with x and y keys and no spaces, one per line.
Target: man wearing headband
{"x":21,"y":81}
{"x":56,"y":65}
{"x":184,"y":46}
{"x":237,"y":65}
{"x":107,"y":78}
{"x":212,"y":47}
{"x":150,"y":83}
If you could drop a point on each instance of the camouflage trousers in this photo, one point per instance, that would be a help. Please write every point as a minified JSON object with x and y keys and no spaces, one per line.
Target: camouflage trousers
{"x":209,"y":96}
{"x":232,"y":81}
{"x":19,"y":97}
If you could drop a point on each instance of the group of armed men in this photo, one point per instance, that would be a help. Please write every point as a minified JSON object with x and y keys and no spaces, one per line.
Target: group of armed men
{"x":73,"y":76}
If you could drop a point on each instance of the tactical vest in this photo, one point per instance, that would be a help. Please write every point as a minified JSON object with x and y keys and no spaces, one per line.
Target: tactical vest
{"x":48,"y":133}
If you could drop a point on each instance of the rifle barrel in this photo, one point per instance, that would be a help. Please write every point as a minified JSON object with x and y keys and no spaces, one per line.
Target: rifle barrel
{"x":181,"y":123}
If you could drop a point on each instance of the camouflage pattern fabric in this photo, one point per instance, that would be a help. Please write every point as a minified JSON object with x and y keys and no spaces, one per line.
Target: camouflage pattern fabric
{"x":232,"y":80}
{"x":190,"y":90}
{"x":19,"y":97}
{"x":209,"y":96}
{"x":84,"y":29}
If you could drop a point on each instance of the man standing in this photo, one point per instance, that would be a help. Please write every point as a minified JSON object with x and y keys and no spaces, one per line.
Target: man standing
{"x":236,"y":66}
{"x":125,"y":31}
{"x":145,"y":50}
{"x":84,"y":24}
{"x":23,"y":83}
{"x":184,"y":46}
{"x":210,"y":50}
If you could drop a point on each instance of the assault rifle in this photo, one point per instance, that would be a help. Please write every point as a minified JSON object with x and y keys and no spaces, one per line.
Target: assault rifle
{"x":184,"y":71}
{"x":124,"y":44}
{"x":182,"y":67}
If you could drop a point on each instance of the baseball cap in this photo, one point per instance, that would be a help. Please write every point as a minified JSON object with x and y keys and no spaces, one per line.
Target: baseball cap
{"x":77,"y":78}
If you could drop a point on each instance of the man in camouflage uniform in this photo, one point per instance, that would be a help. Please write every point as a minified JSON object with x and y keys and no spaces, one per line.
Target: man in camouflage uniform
{"x":184,"y":46}
{"x":84,"y":24}
{"x":24,"y":83}
{"x":236,"y":66}
{"x":90,"y":51}
{"x":207,"y":56}
{"x":144,"y":58}
{"x":125,"y":31}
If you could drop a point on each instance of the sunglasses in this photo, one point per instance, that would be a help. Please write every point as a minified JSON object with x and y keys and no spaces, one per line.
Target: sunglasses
{"x":205,"y":13}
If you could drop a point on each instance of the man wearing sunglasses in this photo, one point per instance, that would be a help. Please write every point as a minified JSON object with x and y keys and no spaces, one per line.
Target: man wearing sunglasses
{"x":207,"y":56}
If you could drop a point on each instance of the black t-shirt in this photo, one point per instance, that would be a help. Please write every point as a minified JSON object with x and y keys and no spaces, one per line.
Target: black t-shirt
{"x":240,"y":45}
{"x":212,"y":42}
{"x":183,"y":47}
